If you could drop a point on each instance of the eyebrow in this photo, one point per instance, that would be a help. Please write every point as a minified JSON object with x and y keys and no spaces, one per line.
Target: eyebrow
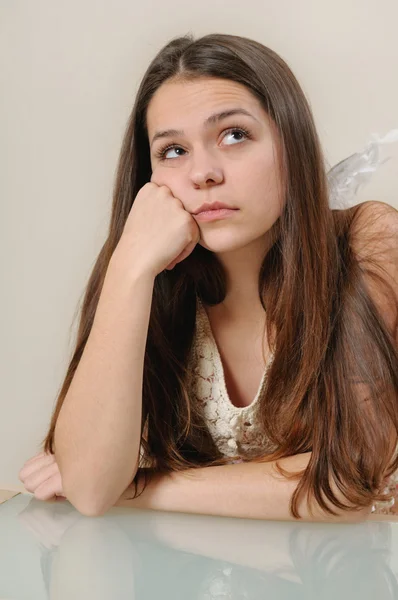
{"x":215,"y":118}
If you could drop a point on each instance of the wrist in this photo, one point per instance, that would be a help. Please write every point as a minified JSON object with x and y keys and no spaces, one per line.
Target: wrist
{"x":124,"y":264}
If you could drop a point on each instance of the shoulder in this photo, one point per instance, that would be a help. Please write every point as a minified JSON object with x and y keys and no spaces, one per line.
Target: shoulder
{"x":374,"y":241}
{"x":374,"y":236}
{"x":376,"y":217}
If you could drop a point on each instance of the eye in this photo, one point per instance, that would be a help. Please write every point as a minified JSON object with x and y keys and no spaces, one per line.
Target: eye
{"x":160,"y":154}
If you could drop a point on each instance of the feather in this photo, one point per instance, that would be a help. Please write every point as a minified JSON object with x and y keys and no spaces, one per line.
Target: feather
{"x":346,"y":177}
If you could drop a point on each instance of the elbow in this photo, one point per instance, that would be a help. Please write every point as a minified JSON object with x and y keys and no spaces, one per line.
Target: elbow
{"x":74,"y":491}
{"x":83,"y":504}
{"x":92,"y":511}
{"x":86,"y":501}
{"x":87,"y":495}
{"x":92,"y":503}
{"x":88,"y":510}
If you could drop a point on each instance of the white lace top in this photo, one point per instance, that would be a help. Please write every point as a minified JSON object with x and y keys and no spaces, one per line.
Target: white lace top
{"x":234,"y":430}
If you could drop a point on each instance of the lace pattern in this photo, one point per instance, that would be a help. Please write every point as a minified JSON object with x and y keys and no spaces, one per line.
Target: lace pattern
{"x":235,"y":430}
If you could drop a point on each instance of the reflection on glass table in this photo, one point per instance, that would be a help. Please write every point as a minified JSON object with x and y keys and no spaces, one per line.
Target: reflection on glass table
{"x":49,"y":550}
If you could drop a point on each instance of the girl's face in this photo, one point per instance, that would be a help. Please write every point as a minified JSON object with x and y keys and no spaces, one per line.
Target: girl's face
{"x":231,"y":160}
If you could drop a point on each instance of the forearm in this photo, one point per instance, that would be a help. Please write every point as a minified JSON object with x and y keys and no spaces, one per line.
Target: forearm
{"x":244,"y":490}
{"x":97,"y":434}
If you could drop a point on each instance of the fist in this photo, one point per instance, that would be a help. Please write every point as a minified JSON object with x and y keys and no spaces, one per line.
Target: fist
{"x":40,"y":476}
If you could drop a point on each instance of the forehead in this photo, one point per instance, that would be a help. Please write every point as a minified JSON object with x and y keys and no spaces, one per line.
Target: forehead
{"x":181,"y":104}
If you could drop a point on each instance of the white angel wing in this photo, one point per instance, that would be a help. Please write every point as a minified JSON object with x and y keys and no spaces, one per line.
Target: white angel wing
{"x":349,"y":174}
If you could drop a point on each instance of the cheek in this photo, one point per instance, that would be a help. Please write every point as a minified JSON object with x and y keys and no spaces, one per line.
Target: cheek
{"x":257,"y":171}
{"x":261,"y":190}
{"x":158,"y":177}
{"x":265,"y":170}
{"x":164,"y":177}
{"x":170,"y":180}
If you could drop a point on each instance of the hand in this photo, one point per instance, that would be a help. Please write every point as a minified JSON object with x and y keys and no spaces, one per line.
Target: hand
{"x":40,"y":476}
{"x":158,"y":232}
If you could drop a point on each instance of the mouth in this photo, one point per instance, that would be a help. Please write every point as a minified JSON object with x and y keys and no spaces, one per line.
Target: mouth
{"x":207,"y":207}
{"x":215,"y":214}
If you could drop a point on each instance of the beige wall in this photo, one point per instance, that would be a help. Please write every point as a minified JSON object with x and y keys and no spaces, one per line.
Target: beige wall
{"x":69,"y":73}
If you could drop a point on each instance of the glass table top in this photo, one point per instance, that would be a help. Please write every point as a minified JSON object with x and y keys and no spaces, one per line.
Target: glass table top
{"x":48,"y":550}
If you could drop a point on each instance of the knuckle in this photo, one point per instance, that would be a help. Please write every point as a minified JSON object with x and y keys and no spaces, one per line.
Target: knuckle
{"x":164,"y":190}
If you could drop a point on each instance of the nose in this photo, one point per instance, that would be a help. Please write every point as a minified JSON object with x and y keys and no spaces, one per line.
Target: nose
{"x":203,"y":176}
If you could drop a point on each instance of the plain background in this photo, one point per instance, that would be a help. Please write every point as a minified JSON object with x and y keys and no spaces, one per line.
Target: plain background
{"x":69,"y":74}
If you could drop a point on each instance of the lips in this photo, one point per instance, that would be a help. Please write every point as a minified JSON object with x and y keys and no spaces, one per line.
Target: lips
{"x":215,"y":215}
{"x":215,"y":206}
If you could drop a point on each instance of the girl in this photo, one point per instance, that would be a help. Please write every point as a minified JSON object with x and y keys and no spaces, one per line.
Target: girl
{"x":232,"y":316}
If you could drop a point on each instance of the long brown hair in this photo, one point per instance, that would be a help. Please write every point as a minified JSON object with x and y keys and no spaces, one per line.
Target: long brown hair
{"x":330,"y":340}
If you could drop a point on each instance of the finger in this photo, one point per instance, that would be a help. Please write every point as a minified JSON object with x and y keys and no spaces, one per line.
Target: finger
{"x":36,"y":478}
{"x":34,"y":465}
{"x":50,"y":488}
{"x":33,"y":460}
{"x":36,"y":458}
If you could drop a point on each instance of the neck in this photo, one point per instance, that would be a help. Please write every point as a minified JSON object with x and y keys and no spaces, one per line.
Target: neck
{"x":242,"y":269}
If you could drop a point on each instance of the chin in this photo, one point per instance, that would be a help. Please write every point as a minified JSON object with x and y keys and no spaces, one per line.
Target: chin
{"x":218,"y":246}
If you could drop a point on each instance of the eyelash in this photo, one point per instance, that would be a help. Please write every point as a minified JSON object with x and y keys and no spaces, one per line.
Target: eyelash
{"x":162,"y":151}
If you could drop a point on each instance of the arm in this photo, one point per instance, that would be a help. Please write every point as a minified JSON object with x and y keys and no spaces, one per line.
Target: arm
{"x":97,"y":435}
{"x":245,"y":490}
